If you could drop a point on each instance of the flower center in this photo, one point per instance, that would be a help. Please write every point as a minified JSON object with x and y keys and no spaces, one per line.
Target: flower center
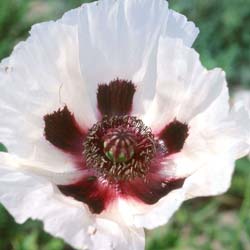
{"x":119,"y":148}
{"x":119,"y":145}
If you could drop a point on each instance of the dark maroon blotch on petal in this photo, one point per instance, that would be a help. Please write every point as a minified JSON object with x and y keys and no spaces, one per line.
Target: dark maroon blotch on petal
{"x":174,"y":136}
{"x":152,"y":189}
{"x":115,"y":98}
{"x":62,"y":130}
{"x":90,"y":191}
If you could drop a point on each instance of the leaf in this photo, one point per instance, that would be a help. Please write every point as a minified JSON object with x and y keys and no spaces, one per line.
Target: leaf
{"x":3,"y":148}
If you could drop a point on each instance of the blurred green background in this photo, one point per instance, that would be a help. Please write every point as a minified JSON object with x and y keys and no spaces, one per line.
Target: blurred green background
{"x":216,"y":223}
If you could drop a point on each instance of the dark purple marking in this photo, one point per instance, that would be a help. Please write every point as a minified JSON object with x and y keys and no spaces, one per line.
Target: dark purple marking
{"x":115,"y":98}
{"x":150,"y":190}
{"x":174,"y":136}
{"x":90,"y":191}
{"x":62,"y":130}
{"x":98,"y":196}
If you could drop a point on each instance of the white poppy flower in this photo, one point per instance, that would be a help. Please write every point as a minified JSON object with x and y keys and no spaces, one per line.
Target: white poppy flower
{"x":111,"y":122}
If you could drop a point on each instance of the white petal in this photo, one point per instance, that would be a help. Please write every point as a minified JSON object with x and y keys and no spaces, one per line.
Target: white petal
{"x":42,"y":75}
{"x":179,"y":27}
{"x":184,"y":88}
{"x":28,"y":196}
{"x":118,"y":38}
{"x":45,"y":70}
{"x":243,"y":96}
{"x":14,"y":163}
{"x":212,"y":178}
{"x":150,"y":216}
{"x":111,"y":236}
{"x":161,"y":213}
{"x":226,"y":143}
{"x":233,"y":133}
{"x":25,"y":138}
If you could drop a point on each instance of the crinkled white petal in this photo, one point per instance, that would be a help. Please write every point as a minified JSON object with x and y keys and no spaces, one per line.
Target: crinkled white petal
{"x":240,"y":99}
{"x":225,"y":143}
{"x":184,"y":88}
{"x":118,"y":39}
{"x":242,"y":96}
{"x":41,"y":76}
{"x":150,"y":216}
{"x":55,"y":176}
{"x":161,"y":213}
{"x":213,"y":178}
{"x":28,"y":196}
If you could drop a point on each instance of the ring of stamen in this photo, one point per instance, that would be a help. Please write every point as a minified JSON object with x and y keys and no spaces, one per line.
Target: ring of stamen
{"x":119,"y":148}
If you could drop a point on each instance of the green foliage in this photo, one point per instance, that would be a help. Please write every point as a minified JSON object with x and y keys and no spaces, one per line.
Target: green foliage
{"x":28,"y":236}
{"x":207,"y":223}
{"x":3,"y":148}
{"x":12,"y":24}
